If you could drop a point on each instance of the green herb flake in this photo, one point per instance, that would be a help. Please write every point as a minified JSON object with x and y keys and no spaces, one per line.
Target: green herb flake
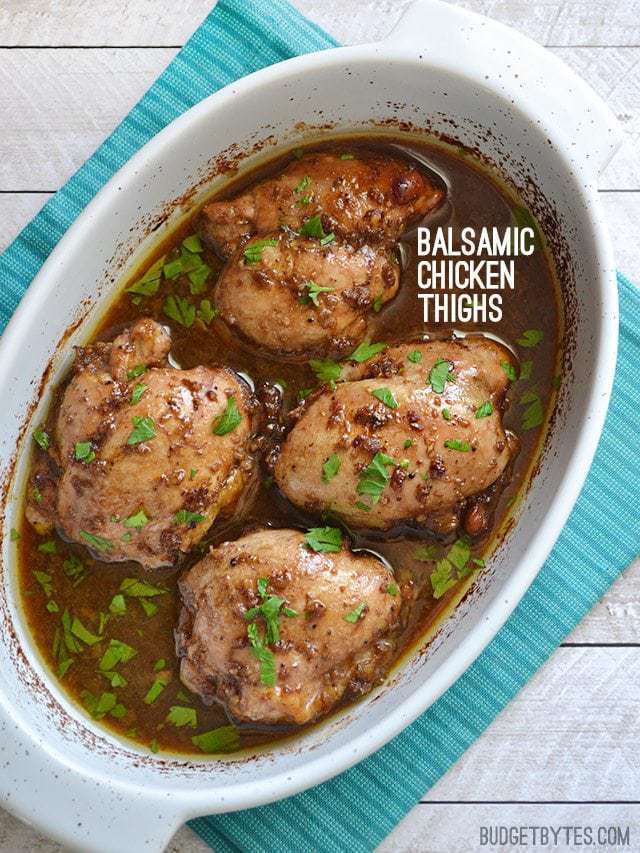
{"x":510,"y":370}
{"x":223,"y":739}
{"x":150,"y":608}
{"x":347,"y":156}
{"x":312,"y":227}
{"x":14,"y":535}
{"x":331,"y":468}
{"x":530,"y":338}
{"x":440,"y":374}
{"x":253,"y":252}
{"x":52,"y":607}
{"x":144,"y":429}
{"x":393,"y":588}
{"x":385,"y":396}
{"x":173,"y":269}
{"x":193,"y":243}
{"x":48,"y":547}
{"x":313,"y":291}
{"x":446,"y":414}
{"x":304,"y":183}
{"x":375,"y":477}
{"x":185,"y":516}
{"x":366,"y":350}
{"x":97,"y":542}
{"x":179,"y":309}
{"x":408,"y":442}
{"x":228,"y":420}
{"x":136,"y":371}
{"x":263,"y":655}
{"x":442,"y":578}
{"x":83,"y":633}
{"x":526,"y":369}
{"x":326,"y":370}
{"x":206,"y":312}
{"x":159,"y":683}
{"x":324,"y":539}
{"x":484,"y":410}
{"x":41,"y":438}
{"x":84,"y":452}
{"x":377,"y":305}
{"x":150,"y":282}
{"x":137,"y":520}
{"x":74,"y":569}
{"x":426,"y":553}
{"x":180,"y":717}
{"x":198,"y":279}
{"x":118,"y":605}
{"x":138,"y":391}
{"x":457,"y":444}
{"x":303,"y":393}
{"x":135,"y":588}
{"x":115,"y":679}
{"x":533,"y":415}
{"x":356,"y":614}
{"x":415,"y":356}
{"x":459,"y":554}
{"x":159,"y":665}
{"x":153,"y":746}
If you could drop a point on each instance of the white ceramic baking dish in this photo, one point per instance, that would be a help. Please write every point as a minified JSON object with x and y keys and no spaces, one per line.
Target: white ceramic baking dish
{"x":442,"y":69}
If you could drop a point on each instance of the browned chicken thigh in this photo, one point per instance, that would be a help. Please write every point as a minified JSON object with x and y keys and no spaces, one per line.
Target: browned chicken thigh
{"x":147,"y":455}
{"x":408,"y":445}
{"x":293,"y":295}
{"x":360,"y":197}
{"x":279,"y":633}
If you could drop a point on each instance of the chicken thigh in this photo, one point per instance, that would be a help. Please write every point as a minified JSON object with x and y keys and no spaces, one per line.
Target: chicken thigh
{"x":148,"y":455}
{"x":295,"y":296}
{"x":409,"y":443}
{"x":278,"y":632}
{"x":359,"y":197}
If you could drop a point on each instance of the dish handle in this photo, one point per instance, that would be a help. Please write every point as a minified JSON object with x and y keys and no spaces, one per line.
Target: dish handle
{"x":498,"y":56}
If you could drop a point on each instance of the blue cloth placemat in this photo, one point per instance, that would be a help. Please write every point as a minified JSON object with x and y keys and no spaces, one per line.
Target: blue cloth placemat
{"x":356,"y":810}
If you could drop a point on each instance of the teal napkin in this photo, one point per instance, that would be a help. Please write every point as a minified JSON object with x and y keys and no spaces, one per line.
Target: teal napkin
{"x":356,"y":810}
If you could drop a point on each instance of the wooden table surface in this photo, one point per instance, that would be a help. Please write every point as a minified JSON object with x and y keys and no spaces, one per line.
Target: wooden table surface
{"x":567,"y":749}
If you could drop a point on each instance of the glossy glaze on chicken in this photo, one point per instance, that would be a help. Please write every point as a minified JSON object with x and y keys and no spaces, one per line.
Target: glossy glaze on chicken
{"x":265,"y":478}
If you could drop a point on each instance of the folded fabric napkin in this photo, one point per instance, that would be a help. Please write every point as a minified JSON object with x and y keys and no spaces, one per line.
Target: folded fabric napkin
{"x":357,"y":810}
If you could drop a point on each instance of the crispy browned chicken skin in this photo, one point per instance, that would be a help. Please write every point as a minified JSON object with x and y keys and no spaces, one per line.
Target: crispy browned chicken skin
{"x":295,"y":296}
{"x":363,"y":197}
{"x":142,"y":476}
{"x":319,"y":656}
{"x":407,"y":453}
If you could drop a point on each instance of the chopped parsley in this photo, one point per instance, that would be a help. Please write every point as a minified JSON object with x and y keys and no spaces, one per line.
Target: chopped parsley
{"x":48,"y":547}
{"x":326,"y":370}
{"x":356,"y":614}
{"x":228,"y":420}
{"x":143,"y":430}
{"x":206,"y":312}
{"x":385,"y":396}
{"x":97,"y":542}
{"x":331,"y":467}
{"x":84,"y":452}
{"x":510,"y":370}
{"x":457,"y":444}
{"x":393,"y":588}
{"x":313,"y":291}
{"x":426,"y":553}
{"x":415,"y":356}
{"x":440,"y":374}
{"x":118,"y":605}
{"x":347,"y":157}
{"x":484,"y":410}
{"x":377,"y":305}
{"x":179,"y":309}
{"x":324,"y":539}
{"x":253,"y":252}
{"x":446,"y":414}
{"x":185,"y":516}
{"x":223,"y":739}
{"x":83,"y":633}
{"x":117,"y":652}
{"x":530,"y":338}
{"x":263,"y":655}
{"x":136,"y":588}
{"x":136,"y":394}
{"x":442,"y":578}
{"x":193,"y":243}
{"x":180,"y":716}
{"x":138,"y":519}
{"x":366,"y":350}
{"x":304,"y":183}
{"x":159,"y":683}
{"x":454,"y":566}
{"x":149,"y":283}
{"x":136,"y":371}
{"x":533,"y":415}
{"x":375,"y":477}
{"x":41,"y":438}
{"x":526,"y":369}
{"x":270,"y":609}
{"x":45,"y":580}
{"x":312,"y":227}
{"x":14,"y":535}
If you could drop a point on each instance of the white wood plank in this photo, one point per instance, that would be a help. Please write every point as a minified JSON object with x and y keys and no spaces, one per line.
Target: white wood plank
{"x":61,"y":104}
{"x":616,"y":618}
{"x":143,"y":22}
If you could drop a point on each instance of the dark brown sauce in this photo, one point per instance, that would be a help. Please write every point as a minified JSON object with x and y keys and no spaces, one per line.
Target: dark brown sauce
{"x":474,"y":199}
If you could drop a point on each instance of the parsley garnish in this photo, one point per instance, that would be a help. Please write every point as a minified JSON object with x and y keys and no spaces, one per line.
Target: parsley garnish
{"x":265,"y":657}
{"x":365,"y":351}
{"x":526,"y":369}
{"x":459,"y":559}
{"x":206,"y":312}
{"x":509,"y":369}
{"x":118,"y":605}
{"x":326,"y":371}
{"x":377,"y":305}
{"x":446,"y":414}
{"x":223,"y":739}
{"x":304,"y":183}
{"x":385,"y":396}
{"x":185,"y":516}
{"x":97,"y":542}
{"x":136,"y":371}
{"x":331,"y":467}
{"x":312,"y":227}
{"x":228,"y":420}
{"x":159,"y":683}
{"x":150,"y":282}
{"x":314,"y":290}
{"x":355,"y":614}
{"x":440,"y":374}
{"x":84,"y":452}
{"x":457,"y":444}
{"x":117,"y":652}
{"x":179,"y":309}
{"x":393,"y":588}
{"x":530,"y":338}
{"x":138,"y":519}
{"x":180,"y":716}
{"x":253,"y":252}
{"x":442,"y":579}
{"x":140,"y":589}
{"x":41,"y":438}
{"x":143,"y":430}
{"x":415,"y":356}
{"x":533,"y":415}
{"x":48,"y":547}
{"x":137,"y":393}
{"x":83,"y":633}
{"x":484,"y":410}
{"x":46,"y":582}
{"x":375,"y":477}
{"x":324,"y":539}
